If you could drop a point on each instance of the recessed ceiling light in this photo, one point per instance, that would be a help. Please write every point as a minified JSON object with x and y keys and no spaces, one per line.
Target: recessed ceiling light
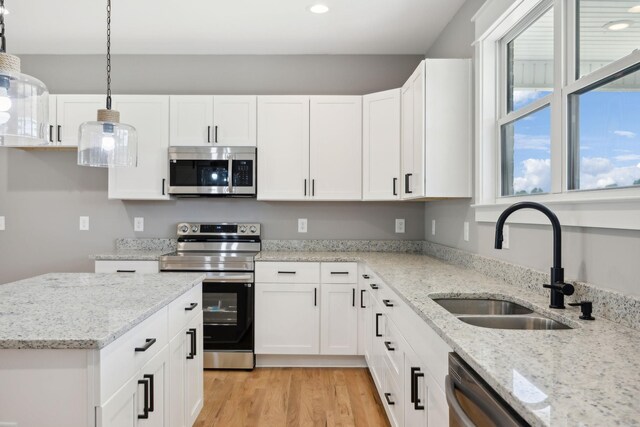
{"x":319,"y":8}
{"x":618,"y":25}
{"x":635,"y":9}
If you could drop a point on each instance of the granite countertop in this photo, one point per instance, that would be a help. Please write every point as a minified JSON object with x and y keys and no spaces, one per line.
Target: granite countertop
{"x":82,"y":310}
{"x":132,"y":255}
{"x":586,"y":376}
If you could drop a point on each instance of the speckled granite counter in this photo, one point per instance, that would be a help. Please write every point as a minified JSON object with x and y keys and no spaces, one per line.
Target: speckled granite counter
{"x":586,"y":376}
{"x":81,"y":310}
{"x":131,"y":255}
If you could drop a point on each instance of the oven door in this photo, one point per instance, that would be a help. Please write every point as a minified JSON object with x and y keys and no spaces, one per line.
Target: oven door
{"x":227,"y":305}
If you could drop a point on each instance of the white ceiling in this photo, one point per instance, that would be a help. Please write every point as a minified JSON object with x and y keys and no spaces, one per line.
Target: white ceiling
{"x":227,"y":27}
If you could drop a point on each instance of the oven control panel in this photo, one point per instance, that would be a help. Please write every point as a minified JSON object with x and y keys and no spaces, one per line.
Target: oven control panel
{"x":218,"y":229}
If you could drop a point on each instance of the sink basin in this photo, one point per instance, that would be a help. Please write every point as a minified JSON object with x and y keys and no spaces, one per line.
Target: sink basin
{"x":481,"y":306}
{"x":533,"y":322}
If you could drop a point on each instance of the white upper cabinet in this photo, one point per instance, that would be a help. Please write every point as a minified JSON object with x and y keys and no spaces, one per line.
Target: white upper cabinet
{"x":149,"y":114}
{"x":213,"y":120}
{"x":381,"y":146}
{"x":336,"y":147}
{"x":436,"y":130}
{"x":283,"y":148}
{"x":234,"y":122}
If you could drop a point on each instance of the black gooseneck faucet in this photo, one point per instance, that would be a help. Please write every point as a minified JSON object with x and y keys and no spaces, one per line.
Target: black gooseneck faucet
{"x":558,"y":288}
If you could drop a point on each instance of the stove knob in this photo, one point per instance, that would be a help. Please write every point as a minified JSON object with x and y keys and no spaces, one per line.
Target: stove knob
{"x":194,"y":228}
{"x":253,"y":229}
{"x":184,"y":228}
{"x":243,"y":228}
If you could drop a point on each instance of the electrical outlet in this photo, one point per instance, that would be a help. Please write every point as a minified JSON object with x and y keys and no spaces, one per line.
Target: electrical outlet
{"x":466,"y":231}
{"x":302,"y":225}
{"x":2,"y":224}
{"x":138,"y":223}
{"x":433,"y":227}
{"x":400,"y":225}
{"x":84,"y":223}
{"x":505,"y":237}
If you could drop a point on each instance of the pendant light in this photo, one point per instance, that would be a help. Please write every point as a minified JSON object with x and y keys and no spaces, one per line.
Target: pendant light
{"x":107,"y":142}
{"x":24,"y":100}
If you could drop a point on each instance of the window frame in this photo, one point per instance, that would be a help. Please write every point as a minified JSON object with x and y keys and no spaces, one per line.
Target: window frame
{"x":603,"y":208}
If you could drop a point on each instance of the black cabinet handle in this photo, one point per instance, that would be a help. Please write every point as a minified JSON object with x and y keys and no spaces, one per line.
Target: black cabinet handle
{"x":366,"y":276}
{"x":313,"y":187}
{"x":151,"y":398}
{"x":406,"y":183}
{"x":387,"y":397}
{"x":59,"y":133}
{"x":415,"y":399}
{"x":50,"y":133}
{"x":395,"y":192}
{"x":194,"y":342}
{"x":163,"y":182}
{"x":145,"y":411}
{"x":374,"y":286}
{"x":315,"y":297}
{"x":305,"y":187}
{"x":340,"y":272}
{"x":362,"y":291}
{"x":148,"y":343}
{"x":191,"y":306}
{"x":286,"y":272}
{"x":215,"y":134}
{"x":125,"y":271}
{"x":388,"y":345}
{"x":387,"y":303}
{"x":353,"y":297}
{"x":209,"y":134}
{"x":192,"y":339}
{"x":378,"y":334}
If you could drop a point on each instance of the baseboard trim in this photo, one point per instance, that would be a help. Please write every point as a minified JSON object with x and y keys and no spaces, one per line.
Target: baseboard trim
{"x":309,"y":361}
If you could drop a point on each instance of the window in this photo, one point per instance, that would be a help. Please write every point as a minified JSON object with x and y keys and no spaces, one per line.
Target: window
{"x":558,"y":112}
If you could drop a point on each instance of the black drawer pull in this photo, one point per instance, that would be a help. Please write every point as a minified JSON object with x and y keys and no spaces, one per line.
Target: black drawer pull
{"x":286,"y":272}
{"x":387,"y":303}
{"x":50,"y":133}
{"x":366,"y":276}
{"x":151,"y":398}
{"x":388,"y":345}
{"x":59,"y":133}
{"x":125,"y":271}
{"x":191,"y":306}
{"x":339,"y":272}
{"x":387,"y":397}
{"x":209,"y":134}
{"x":192,"y":345}
{"x":415,"y":399}
{"x":362,"y":291}
{"x":148,"y":343}
{"x":374,"y":286}
{"x":395,"y":193}
{"x":145,"y":411}
{"x":353,"y":297}
{"x":378,"y":334}
{"x":406,"y":183}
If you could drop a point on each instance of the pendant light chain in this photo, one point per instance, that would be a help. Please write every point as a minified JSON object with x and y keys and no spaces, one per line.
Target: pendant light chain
{"x":3,"y":43}
{"x":108,"y":53}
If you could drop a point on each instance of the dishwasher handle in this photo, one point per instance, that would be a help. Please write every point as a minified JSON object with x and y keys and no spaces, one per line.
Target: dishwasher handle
{"x":455,"y":410}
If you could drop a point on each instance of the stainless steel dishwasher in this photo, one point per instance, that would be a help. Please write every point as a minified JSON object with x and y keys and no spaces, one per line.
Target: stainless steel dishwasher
{"x":472,"y":403}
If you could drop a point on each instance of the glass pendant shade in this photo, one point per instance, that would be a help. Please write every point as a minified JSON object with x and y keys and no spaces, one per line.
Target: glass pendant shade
{"x":107,"y":143}
{"x":24,"y":106}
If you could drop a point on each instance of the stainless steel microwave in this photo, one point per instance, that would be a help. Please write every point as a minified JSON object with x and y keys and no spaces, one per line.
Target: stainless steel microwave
{"x":212,"y":171}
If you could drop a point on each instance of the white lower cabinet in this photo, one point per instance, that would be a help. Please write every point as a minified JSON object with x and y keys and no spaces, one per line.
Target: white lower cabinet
{"x":123,"y":266}
{"x":415,"y":392}
{"x":339,"y":319}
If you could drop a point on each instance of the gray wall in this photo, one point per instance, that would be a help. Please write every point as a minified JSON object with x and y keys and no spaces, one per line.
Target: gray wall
{"x":603,"y":257}
{"x":42,"y":193}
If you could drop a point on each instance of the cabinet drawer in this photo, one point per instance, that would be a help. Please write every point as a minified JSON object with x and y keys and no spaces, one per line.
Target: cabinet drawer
{"x":339,"y":272}
{"x":394,"y":350}
{"x":288,"y":272}
{"x":120,"y":360}
{"x":126,"y":267}
{"x":393,"y":399}
{"x":183,"y":309}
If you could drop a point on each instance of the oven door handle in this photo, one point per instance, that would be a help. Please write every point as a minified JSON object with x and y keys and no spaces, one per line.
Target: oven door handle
{"x":456,"y":410}
{"x":229,"y":278}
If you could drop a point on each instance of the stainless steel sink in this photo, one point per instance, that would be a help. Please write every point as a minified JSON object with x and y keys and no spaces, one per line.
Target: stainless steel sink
{"x":531,"y":322}
{"x":478,"y":306}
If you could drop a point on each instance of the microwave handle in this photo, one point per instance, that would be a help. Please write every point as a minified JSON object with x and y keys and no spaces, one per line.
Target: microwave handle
{"x":230,"y":172}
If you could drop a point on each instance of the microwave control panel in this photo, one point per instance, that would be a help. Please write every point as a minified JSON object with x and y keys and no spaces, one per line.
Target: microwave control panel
{"x":242,"y":173}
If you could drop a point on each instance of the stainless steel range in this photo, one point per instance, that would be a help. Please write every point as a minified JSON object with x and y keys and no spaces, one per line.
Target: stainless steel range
{"x":225,"y":252}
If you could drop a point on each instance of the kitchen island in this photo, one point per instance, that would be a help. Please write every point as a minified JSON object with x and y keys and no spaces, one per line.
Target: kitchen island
{"x":101,"y":349}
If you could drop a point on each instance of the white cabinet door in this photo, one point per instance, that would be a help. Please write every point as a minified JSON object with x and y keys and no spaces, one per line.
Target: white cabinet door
{"x":52,"y":131}
{"x":283,"y":148}
{"x":336,"y":147}
{"x":121,"y":410}
{"x":156,"y":374}
{"x":149,"y":114}
{"x":194,"y":397}
{"x":413,"y":134}
{"x":376,"y":365}
{"x":178,"y":351}
{"x":191,"y":120}
{"x":381,"y":146}
{"x":287,"y":319}
{"x":234,"y":121}
{"x":71,"y":112}
{"x":338,"y":319}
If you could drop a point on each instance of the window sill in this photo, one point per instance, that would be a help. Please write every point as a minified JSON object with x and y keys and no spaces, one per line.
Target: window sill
{"x":573,"y":210}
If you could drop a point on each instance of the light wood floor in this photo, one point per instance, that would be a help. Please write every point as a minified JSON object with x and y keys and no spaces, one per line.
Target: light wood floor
{"x":273,"y":397}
